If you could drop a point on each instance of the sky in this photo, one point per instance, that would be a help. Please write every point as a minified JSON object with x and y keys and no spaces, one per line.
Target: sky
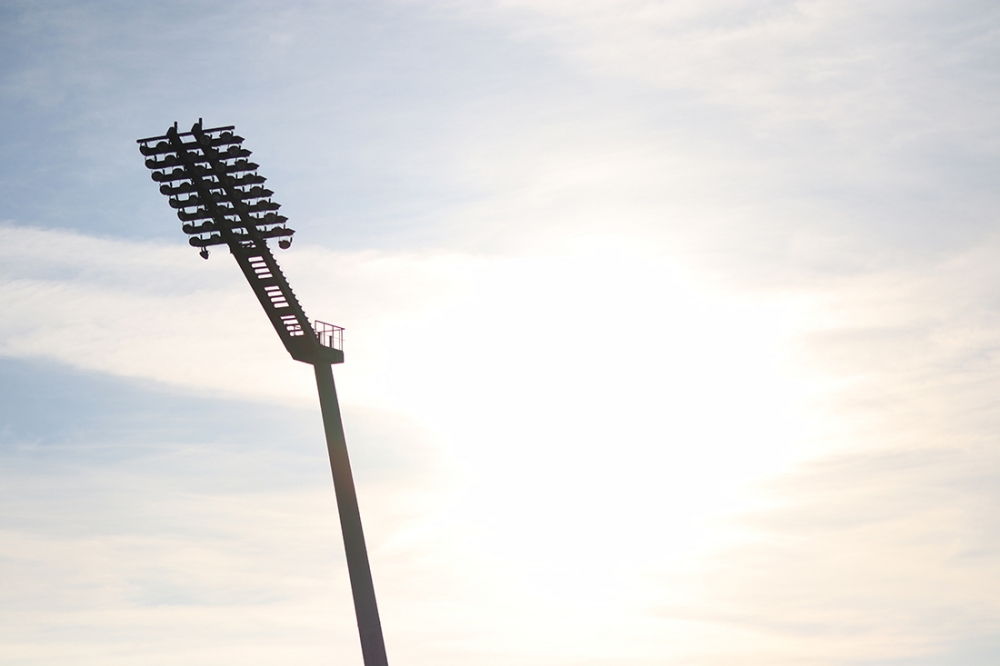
{"x":672,"y":334}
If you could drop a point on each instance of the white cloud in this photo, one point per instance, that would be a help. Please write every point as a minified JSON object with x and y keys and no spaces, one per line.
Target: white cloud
{"x":699,"y":369}
{"x":606,"y":425}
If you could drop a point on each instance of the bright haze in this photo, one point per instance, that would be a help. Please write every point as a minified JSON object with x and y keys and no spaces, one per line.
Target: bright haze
{"x":672,"y":334}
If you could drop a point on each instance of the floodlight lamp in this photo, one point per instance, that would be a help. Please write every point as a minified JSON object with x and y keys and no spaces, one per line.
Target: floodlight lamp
{"x":204,"y":253}
{"x":285,"y":243}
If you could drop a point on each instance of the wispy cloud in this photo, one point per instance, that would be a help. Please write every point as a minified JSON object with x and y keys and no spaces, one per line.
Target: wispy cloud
{"x":575,"y":406}
{"x":670,"y":334}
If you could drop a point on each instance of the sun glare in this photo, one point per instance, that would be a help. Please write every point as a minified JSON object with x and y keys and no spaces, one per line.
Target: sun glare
{"x":606,"y":418}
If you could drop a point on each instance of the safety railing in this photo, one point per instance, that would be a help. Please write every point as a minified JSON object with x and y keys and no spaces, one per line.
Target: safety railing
{"x":329,"y":335}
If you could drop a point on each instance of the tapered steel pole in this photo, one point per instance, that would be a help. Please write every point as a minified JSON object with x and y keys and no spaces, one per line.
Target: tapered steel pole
{"x":369,"y":626}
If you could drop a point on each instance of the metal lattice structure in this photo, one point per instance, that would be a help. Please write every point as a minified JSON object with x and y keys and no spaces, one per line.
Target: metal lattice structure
{"x":221,"y":200}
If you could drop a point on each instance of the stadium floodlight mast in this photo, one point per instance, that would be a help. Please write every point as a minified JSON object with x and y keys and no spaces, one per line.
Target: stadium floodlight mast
{"x":221,"y":200}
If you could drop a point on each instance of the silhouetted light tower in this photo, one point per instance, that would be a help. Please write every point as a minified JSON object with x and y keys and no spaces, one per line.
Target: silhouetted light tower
{"x":221,"y":200}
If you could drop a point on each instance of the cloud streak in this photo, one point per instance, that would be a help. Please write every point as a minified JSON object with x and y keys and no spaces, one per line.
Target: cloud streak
{"x":670,"y":334}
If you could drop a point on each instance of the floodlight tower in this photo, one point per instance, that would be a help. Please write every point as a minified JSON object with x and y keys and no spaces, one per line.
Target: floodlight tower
{"x":221,"y":200}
